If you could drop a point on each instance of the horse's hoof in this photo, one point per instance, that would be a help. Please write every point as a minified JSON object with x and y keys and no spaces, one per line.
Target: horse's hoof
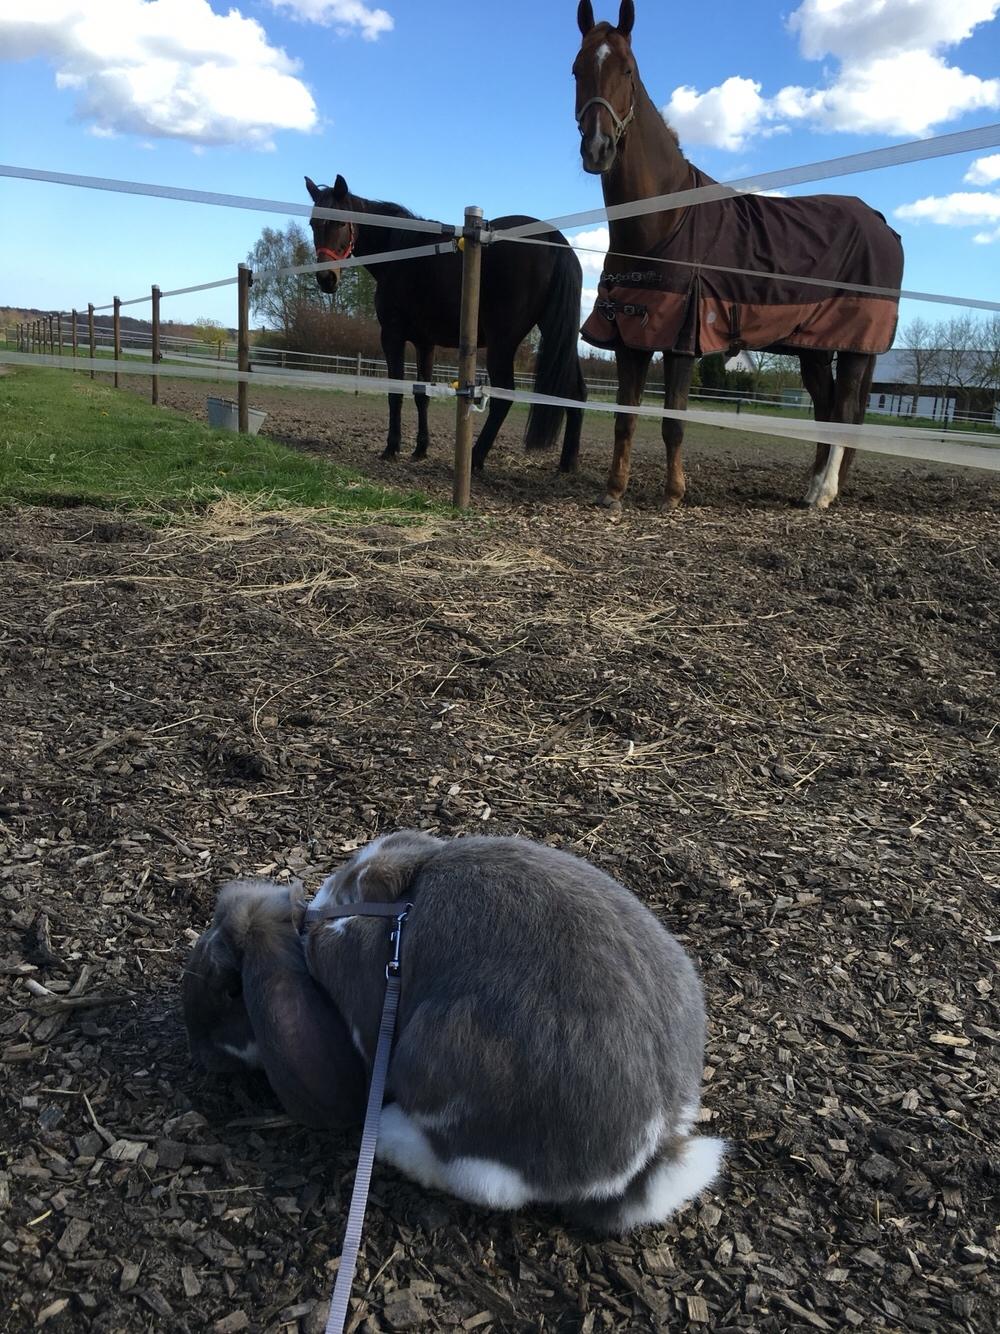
{"x":566,"y":468}
{"x":670,"y":503}
{"x":612,"y":506}
{"x":419,"y":453}
{"x":389,"y":453}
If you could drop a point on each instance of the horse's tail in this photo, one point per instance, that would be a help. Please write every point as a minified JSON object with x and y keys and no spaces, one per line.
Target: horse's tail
{"x":557,"y":372}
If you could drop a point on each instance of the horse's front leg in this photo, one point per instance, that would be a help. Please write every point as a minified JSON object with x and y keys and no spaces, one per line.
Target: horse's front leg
{"x":500,"y":367}
{"x":677,"y":372}
{"x":633,"y":367}
{"x":425,"y":373}
{"x":393,"y":349}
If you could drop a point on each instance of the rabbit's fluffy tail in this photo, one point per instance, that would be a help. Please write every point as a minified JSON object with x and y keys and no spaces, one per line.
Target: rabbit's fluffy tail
{"x":676,"y":1173}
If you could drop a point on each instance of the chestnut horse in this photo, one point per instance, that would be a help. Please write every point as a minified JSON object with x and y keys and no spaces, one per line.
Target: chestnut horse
{"x":685,"y":311}
{"x":419,"y":301}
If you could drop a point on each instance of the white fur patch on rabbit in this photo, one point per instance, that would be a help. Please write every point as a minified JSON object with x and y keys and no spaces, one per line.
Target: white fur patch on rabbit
{"x":479,"y":1181}
{"x":675,"y":1183}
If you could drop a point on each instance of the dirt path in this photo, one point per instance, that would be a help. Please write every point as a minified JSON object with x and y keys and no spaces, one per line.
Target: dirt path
{"x":780,"y":729}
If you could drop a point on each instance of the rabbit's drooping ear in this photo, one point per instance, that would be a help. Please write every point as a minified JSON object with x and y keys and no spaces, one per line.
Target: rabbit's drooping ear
{"x":303,"y":1042}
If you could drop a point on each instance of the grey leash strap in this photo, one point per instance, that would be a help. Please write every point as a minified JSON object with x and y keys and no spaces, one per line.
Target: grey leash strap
{"x":337,"y":1319}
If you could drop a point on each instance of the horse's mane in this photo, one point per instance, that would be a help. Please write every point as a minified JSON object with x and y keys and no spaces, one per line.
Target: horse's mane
{"x":386,"y":206}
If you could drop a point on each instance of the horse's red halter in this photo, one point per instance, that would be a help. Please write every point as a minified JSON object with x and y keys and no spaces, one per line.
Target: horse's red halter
{"x":328,"y":256}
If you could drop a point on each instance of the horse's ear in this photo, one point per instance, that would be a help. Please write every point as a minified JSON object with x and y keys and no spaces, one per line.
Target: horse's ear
{"x":340,"y":190}
{"x":585,"y":16}
{"x":313,"y":189}
{"x":626,"y":18}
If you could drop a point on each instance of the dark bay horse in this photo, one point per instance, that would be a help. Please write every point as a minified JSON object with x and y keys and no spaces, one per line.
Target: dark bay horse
{"x":685,"y":311}
{"x":419,"y":301}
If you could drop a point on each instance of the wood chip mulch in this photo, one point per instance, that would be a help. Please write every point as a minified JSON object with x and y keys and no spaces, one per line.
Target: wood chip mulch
{"x":781,"y":730}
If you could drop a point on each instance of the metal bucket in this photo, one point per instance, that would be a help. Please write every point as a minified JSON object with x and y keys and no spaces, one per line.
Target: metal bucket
{"x":224,"y":413}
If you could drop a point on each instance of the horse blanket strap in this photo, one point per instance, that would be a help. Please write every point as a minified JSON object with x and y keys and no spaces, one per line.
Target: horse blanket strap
{"x":690,"y":310}
{"x":337,"y":1319}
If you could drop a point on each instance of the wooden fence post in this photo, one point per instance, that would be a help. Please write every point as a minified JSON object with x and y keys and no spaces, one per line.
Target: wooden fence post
{"x":118,"y":333}
{"x":244,"y":279}
{"x":90,"y":334}
{"x":155,"y":388}
{"x":357,"y":388}
{"x":472,"y":255}
{"x":75,"y":339}
{"x":59,"y":331}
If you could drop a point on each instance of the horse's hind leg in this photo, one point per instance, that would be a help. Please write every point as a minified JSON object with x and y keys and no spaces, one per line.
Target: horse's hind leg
{"x":571,"y":440}
{"x":425,"y":373}
{"x":864,"y":392}
{"x":677,"y":372}
{"x":633,"y":367}
{"x":500,"y":365}
{"x":850,"y":396}
{"x":817,"y":376}
{"x":574,"y":426}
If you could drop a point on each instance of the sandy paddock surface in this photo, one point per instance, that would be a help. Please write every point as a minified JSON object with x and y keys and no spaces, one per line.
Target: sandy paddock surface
{"x":779,"y":728}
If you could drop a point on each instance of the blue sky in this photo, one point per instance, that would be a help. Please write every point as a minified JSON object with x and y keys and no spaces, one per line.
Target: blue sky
{"x":439,"y":104}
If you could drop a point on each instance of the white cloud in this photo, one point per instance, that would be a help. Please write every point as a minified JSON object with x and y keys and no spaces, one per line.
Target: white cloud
{"x":725,"y":116}
{"x":905,"y":94}
{"x":984,"y":171}
{"x":968,"y":209}
{"x":591,"y":248}
{"x":892,"y":78}
{"x":343,"y":14}
{"x":163,"y":68}
{"x":854,"y":29}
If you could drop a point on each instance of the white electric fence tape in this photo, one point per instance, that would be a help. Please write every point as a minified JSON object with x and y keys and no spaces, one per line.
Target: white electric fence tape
{"x":224,"y":201}
{"x":918,"y":150}
{"x":969,"y":449}
{"x":354,"y":262}
{"x":965,"y":141}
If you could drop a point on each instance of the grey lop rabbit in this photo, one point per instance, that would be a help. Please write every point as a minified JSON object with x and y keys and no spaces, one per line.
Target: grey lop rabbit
{"x":550,"y":1035}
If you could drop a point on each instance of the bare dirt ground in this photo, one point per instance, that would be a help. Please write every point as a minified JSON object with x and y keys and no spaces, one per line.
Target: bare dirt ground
{"x":780,"y":729}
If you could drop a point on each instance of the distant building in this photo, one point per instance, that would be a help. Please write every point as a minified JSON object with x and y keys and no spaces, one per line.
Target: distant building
{"x":894,"y":394}
{"x":742,"y":361}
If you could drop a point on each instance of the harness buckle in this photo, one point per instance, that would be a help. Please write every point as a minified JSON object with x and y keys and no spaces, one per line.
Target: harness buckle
{"x":396,"y":941}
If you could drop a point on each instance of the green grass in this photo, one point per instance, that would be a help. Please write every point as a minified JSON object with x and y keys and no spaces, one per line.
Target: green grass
{"x":67,"y":440}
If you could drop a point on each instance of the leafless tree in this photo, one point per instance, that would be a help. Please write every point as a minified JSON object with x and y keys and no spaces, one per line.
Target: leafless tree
{"x":960,"y":358}
{"x":988,"y":358}
{"x":921,"y":358}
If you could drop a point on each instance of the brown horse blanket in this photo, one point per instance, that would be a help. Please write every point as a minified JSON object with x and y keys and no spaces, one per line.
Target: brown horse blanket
{"x":680,"y":306}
